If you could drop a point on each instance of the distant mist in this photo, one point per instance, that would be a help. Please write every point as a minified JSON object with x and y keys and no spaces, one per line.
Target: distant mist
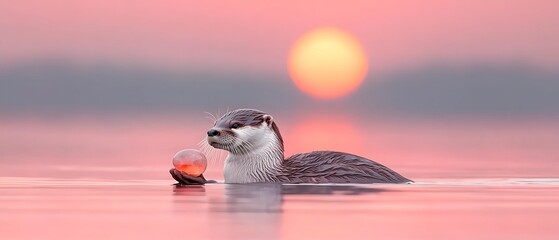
{"x":482,"y":90}
{"x":64,"y":87}
{"x":464,"y":90}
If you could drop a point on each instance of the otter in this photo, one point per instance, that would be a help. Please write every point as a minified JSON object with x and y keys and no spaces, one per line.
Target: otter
{"x":256,"y":154}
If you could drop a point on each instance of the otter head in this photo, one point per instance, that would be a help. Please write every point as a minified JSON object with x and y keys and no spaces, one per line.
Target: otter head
{"x":244,"y":131}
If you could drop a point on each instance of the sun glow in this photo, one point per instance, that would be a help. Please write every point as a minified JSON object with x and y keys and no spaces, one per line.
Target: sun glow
{"x":327,"y":63}
{"x":308,"y":134}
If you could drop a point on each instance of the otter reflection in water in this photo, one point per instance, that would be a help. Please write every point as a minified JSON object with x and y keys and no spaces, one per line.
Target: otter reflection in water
{"x":263,"y":197}
{"x":256,"y":154}
{"x":257,"y":210}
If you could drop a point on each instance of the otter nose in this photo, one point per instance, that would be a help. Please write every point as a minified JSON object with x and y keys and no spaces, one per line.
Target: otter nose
{"x":213,"y":132}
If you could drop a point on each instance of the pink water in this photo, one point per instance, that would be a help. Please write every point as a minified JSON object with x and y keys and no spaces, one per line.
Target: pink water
{"x":106,"y":178}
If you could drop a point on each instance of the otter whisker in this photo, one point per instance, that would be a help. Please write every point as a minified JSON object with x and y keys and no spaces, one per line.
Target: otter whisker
{"x":245,"y":146}
{"x":209,"y":152}
{"x":213,"y":118}
{"x":205,"y":149}
{"x":219,"y":160}
{"x":202,"y":146}
{"x":216,"y":157}
{"x":244,"y":149}
{"x":201,"y":143}
{"x":239,"y":149}
{"x":236,"y":149}
{"x":248,"y":147}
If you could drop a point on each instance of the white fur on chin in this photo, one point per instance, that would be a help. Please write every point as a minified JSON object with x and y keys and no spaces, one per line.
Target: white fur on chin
{"x":263,"y":160}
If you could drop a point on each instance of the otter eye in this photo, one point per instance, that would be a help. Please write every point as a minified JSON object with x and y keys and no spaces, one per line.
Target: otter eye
{"x":235,"y":125}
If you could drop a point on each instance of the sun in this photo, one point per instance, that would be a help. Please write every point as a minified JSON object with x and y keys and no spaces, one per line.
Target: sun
{"x":327,"y":63}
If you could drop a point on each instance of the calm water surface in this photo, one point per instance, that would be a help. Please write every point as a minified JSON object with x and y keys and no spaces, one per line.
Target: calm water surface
{"x":107,"y":179}
{"x":474,"y":209}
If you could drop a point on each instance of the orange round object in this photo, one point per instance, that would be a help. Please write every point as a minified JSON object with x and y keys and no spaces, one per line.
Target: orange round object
{"x":191,"y":162}
{"x":327,"y":63}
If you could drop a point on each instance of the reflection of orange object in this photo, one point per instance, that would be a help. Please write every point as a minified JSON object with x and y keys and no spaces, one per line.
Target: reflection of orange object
{"x":327,"y":63}
{"x":191,"y":162}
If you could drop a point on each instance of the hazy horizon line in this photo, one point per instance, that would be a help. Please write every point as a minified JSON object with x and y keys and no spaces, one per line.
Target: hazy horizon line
{"x":435,"y":90}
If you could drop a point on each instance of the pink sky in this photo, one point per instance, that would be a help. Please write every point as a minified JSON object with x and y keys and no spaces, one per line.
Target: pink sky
{"x":257,"y":35}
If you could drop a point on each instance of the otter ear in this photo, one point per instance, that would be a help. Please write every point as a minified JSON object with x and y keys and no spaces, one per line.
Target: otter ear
{"x":268,"y":119}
